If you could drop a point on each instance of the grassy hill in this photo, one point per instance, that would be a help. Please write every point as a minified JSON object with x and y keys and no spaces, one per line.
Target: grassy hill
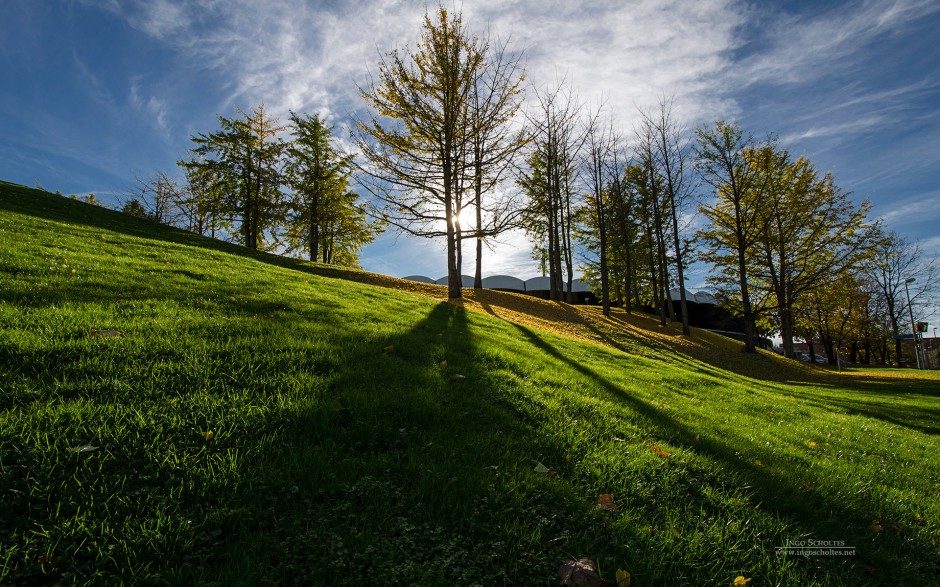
{"x":176,"y":410}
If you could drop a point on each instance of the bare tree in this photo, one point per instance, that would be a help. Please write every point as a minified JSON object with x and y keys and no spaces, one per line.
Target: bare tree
{"x":895,"y":264}
{"x":671,"y":155}
{"x":495,"y":99}
{"x":156,"y":197}
{"x":550,"y":181}
{"x":600,"y":146}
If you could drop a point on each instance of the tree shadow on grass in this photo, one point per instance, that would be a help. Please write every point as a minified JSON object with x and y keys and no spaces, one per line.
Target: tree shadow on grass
{"x":807,"y":513}
{"x":407,"y":468}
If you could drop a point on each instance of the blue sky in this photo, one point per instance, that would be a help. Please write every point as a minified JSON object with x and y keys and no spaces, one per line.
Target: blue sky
{"x":96,"y":92}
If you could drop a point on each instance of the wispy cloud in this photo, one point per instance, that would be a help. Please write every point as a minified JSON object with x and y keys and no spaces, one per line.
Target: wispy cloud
{"x":920,"y":208}
{"x":802,"y":48}
{"x":312,"y":55}
{"x":152,"y":107}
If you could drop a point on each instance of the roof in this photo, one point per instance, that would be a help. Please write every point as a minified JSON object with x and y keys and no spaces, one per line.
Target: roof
{"x":503,"y":282}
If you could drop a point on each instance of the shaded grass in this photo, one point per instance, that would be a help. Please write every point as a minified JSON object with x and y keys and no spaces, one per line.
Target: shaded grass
{"x":345,"y":449}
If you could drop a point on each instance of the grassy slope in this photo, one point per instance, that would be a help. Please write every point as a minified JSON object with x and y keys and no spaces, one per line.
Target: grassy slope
{"x":364,"y":435}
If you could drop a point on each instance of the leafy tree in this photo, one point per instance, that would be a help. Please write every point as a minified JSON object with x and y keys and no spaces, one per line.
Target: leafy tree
{"x":244,"y":158}
{"x":202,"y":202}
{"x":723,"y":157}
{"x":832,"y":312}
{"x":134,"y":208}
{"x":87,"y":198}
{"x":417,"y":157}
{"x":324,"y":218}
{"x":808,"y":232}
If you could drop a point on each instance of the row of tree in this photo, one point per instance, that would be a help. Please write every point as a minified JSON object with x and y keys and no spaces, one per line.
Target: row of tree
{"x":447,"y":130}
{"x":448,"y":153}
{"x":266,"y":186}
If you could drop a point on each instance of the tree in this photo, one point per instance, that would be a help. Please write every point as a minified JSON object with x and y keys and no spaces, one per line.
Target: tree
{"x":495,"y":98}
{"x":324,"y":219}
{"x":652,"y":204}
{"x":202,"y":202}
{"x":832,"y":312}
{"x":894,"y":261}
{"x":418,"y":164}
{"x":134,"y":208}
{"x":670,"y":156}
{"x":549,"y":183}
{"x":243,"y":158}
{"x":600,"y":144}
{"x":807,"y":230}
{"x":157,"y":196}
{"x":723,"y":154}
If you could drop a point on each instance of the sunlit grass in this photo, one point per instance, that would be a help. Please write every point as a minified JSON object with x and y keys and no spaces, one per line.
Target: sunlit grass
{"x":245,"y":420}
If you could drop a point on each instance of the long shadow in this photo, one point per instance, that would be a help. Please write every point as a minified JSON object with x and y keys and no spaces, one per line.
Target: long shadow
{"x":406,"y":467}
{"x":842,"y":520}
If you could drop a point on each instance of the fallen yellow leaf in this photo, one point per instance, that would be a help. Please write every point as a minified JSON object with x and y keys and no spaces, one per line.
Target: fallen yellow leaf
{"x":209,"y":434}
{"x":659,"y":451}
{"x":740,"y":581}
{"x":624,"y":579}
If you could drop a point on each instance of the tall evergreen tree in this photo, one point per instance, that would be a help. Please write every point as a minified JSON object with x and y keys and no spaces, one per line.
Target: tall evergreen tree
{"x":324,"y":219}
{"x":244,"y":159}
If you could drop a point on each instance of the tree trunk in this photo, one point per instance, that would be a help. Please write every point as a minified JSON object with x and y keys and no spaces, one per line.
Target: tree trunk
{"x":683,"y":306}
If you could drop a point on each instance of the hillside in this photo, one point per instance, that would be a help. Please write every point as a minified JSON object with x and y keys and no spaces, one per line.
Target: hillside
{"x":184,"y":411}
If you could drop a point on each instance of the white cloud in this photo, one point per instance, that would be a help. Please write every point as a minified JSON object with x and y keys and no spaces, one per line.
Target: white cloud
{"x":802,"y":48}
{"x":920,"y":208}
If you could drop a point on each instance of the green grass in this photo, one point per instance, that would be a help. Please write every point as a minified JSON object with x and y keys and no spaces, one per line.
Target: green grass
{"x":345,"y":450}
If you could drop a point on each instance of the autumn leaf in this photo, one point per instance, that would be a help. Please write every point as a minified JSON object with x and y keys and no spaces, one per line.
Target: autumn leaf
{"x":444,"y":364}
{"x":624,"y":578}
{"x":659,"y":451}
{"x":810,"y":444}
{"x":390,"y":348}
{"x":758,"y":463}
{"x":740,"y":581}
{"x":579,"y":573}
{"x":231,"y":298}
{"x":540,"y":468}
{"x":209,"y":434}
{"x":605,"y":501}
